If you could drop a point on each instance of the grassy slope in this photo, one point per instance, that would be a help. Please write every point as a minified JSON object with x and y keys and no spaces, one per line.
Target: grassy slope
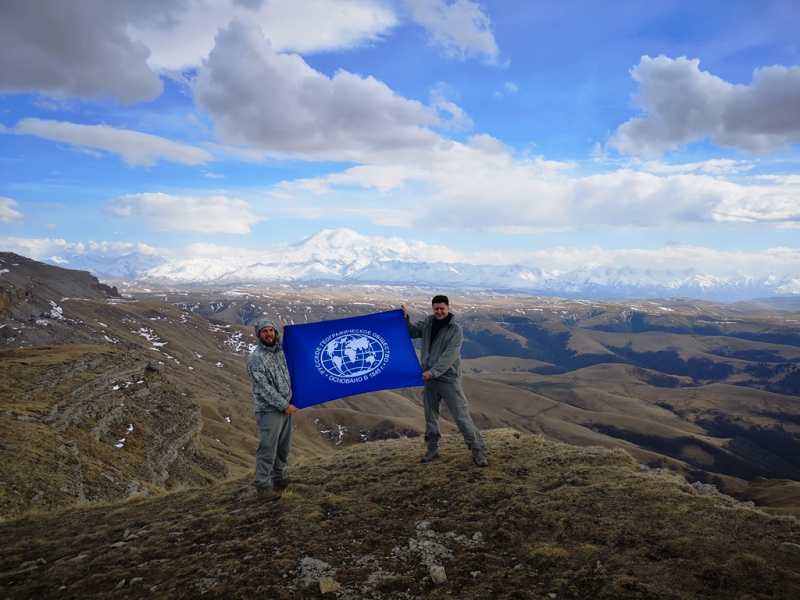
{"x":82,"y":424}
{"x":543,"y":518}
{"x":204,"y":362}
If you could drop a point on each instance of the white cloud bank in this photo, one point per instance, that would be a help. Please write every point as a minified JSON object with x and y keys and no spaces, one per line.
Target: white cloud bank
{"x":44,"y":248}
{"x":683,"y":104}
{"x":162,"y":212}
{"x":468,"y":187}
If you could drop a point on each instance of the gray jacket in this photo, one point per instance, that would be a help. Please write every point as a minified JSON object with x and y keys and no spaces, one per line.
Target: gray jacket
{"x":272,"y":389}
{"x":443,"y":358}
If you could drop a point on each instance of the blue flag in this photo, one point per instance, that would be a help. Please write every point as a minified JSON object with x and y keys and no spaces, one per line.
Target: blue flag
{"x":344,"y":357}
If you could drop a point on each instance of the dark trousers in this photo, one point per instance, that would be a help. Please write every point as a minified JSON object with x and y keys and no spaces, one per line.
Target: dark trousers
{"x":456,"y":402}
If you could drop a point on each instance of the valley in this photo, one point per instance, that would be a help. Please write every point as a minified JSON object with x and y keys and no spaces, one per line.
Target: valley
{"x":708,"y":390}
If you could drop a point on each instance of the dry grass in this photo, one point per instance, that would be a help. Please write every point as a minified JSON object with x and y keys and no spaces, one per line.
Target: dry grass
{"x":543,"y":518}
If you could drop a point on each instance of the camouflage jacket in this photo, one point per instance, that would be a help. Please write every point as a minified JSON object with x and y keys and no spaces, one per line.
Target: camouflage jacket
{"x":272,"y":389}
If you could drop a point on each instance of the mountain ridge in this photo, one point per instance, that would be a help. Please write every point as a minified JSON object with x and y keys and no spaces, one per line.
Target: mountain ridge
{"x":707,"y":390}
{"x":346,"y":257}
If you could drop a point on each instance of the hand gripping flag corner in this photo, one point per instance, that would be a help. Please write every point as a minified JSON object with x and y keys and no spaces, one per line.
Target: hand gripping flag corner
{"x":344,"y":357}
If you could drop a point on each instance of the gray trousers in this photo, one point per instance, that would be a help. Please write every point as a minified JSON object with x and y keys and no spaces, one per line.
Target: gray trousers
{"x":274,"y":441}
{"x":456,"y":402}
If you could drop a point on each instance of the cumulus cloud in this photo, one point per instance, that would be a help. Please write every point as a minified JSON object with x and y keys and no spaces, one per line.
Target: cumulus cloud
{"x":683,"y":104}
{"x":162,"y":212}
{"x":9,"y":216}
{"x":461,"y":28}
{"x":277,"y":102}
{"x":302,"y":26}
{"x":79,"y":48}
{"x":136,"y":148}
{"x":779,"y":205}
{"x":97,"y":49}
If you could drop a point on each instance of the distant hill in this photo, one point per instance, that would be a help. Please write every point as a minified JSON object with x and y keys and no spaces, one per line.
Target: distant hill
{"x":544,"y":520}
{"x":19,"y":274}
{"x":31,"y":289}
{"x":707,"y":390}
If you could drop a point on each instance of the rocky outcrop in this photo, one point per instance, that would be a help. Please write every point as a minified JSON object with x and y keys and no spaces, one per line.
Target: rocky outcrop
{"x":11,"y":297}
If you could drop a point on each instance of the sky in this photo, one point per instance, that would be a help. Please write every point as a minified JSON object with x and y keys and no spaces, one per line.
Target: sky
{"x":555,"y":134}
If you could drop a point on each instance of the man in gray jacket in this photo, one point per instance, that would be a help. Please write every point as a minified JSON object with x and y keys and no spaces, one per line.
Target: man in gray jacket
{"x":441,"y":365}
{"x":273,"y":395}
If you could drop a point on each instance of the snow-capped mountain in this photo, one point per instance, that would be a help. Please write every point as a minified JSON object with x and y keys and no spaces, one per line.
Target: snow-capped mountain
{"x":346,"y":257}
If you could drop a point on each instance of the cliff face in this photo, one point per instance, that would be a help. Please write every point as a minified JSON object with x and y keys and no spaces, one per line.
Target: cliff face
{"x":11,"y":298}
{"x":85,"y":424}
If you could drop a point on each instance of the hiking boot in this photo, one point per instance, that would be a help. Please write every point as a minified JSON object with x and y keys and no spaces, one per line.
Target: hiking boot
{"x":431,"y":454}
{"x":267,"y":494}
{"x":280,"y":484}
{"x":479,"y":458}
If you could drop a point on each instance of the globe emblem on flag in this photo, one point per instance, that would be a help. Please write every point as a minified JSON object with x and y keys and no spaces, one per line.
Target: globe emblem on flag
{"x":352,"y":356}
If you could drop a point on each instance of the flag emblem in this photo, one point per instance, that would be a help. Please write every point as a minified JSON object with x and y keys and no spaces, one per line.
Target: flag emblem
{"x":351,"y":355}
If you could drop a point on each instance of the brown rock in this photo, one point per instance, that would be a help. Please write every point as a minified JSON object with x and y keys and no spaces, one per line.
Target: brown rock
{"x":328,"y":584}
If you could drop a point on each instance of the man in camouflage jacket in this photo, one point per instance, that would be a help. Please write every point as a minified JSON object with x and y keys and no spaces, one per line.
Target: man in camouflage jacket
{"x":272,"y":392}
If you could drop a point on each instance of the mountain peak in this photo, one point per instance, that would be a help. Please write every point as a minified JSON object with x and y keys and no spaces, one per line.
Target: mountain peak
{"x":347,"y":257}
{"x":336,"y":238}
